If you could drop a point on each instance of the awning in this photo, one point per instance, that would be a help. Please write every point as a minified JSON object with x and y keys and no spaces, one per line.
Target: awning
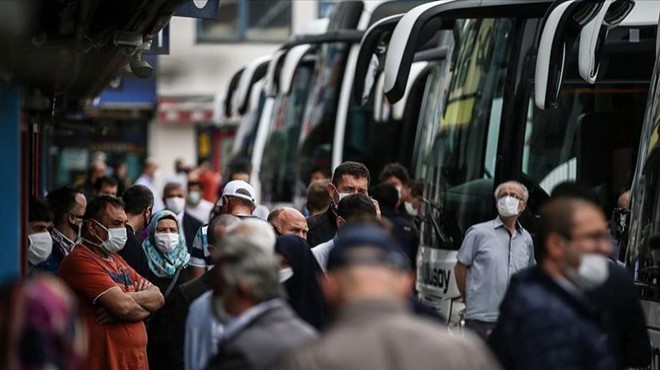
{"x":186,"y":110}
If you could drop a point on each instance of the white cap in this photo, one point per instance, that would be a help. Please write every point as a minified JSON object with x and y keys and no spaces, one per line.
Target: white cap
{"x":240,"y":189}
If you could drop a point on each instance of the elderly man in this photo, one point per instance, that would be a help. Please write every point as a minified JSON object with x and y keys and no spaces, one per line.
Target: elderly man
{"x":288,"y":221}
{"x":546,"y":321}
{"x":203,"y":331}
{"x":114,"y":299}
{"x":491,"y":253}
{"x":367,"y":282}
{"x":348,"y":178}
{"x":259,"y":326}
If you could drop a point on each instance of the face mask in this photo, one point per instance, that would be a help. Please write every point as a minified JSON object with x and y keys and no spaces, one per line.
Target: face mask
{"x":77,"y":227}
{"x":40,"y":246}
{"x":166,"y":242}
{"x":591,"y":274}
{"x":507,"y":206}
{"x":219,"y":311}
{"x":398,"y":190}
{"x":410,"y":209}
{"x":286,"y":274}
{"x":194,"y":197}
{"x":116,"y":239}
{"x":175,"y":204}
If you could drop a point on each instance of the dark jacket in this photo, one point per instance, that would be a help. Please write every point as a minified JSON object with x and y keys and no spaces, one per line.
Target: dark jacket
{"x":166,"y":327}
{"x":322,"y":227}
{"x":190,"y":227}
{"x":624,"y":317}
{"x":264,"y":342}
{"x":543,"y":326}
{"x":133,"y":253}
{"x":405,"y":232}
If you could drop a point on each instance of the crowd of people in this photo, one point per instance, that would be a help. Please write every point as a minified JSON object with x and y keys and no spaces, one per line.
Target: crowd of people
{"x":200,"y":276}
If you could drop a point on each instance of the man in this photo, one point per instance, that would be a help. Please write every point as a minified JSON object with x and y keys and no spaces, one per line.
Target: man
{"x":95,"y":171}
{"x":238,"y":200}
{"x":148,"y":179}
{"x":114,"y":299}
{"x":617,"y":297}
{"x":395,"y":175}
{"x":138,"y":201}
{"x":203,"y":330}
{"x":288,"y":221}
{"x":348,"y":178}
{"x":209,"y":180}
{"x":618,"y":226}
{"x":174,"y":199}
{"x":40,"y":243}
{"x":546,"y":322}
{"x":197,"y":206}
{"x":405,"y":231}
{"x":491,"y":253}
{"x":353,"y":208}
{"x":106,"y":185}
{"x":68,"y":206}
{"x":318,"y":198}
{"x":260,"y":328}
{"x":367,"y":284}
{"x":412,"y":199}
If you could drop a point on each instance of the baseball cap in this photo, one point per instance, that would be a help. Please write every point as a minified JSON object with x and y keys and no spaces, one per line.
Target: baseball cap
{"x":240,"y":189}
{"x":366,"y":244}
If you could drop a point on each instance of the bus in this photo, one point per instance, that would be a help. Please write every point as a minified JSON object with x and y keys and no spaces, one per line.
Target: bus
{"x":643,"y":252}
{"x":480,"y":126}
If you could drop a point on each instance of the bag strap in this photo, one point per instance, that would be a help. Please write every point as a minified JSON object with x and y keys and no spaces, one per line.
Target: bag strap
{"x":173,"y":282}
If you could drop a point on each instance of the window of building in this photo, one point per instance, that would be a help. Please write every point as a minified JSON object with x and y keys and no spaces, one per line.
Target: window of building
{"x":248,"y":20}
{"x":325,"y":8}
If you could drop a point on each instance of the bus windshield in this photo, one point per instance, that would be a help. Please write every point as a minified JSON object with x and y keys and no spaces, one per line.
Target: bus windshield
{"x":462,"y":155}
{"x":318,"y":125}
{"x":278,"y":169}
{"x":591,"y":138}
{"x":643,"y":254}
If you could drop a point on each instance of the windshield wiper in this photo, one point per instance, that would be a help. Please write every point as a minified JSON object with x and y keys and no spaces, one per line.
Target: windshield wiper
{"x":445,"y":241}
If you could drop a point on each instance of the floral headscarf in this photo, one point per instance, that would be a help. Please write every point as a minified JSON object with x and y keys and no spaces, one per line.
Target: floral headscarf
{"x":162,"y":264}
{"x":40,"y":326}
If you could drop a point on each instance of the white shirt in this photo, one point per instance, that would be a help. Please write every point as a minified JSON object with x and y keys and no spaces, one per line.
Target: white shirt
{"x":203,"y":333}
{"x":322,"y":251}
{"x":201,"y":211}
{"x":149,"y":183}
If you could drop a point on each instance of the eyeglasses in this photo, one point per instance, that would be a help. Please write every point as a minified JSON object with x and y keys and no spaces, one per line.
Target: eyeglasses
{"x":597,"y":237}
{"x":510,"y":194}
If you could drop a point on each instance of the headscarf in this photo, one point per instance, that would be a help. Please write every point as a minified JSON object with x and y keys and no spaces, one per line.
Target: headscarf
{"x":40,"y":327}
{"x":304,"y":291}
{"x":162,"y":264}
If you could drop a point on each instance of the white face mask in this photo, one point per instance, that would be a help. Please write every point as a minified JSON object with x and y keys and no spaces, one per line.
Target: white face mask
{"x":175,"y":204}
{"x":591,"y":274}
{"x":194,"y":197}
{"x":116,"y":239}
{"x":166,"y":242}
{"x":508,"y":206}
{"x":410,"y":209}
{"x":40,"y":247}
{"x":286,"y":274}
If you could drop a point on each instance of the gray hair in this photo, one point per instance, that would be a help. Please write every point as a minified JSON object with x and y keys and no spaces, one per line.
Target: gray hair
{"x":251,"y":266}
{"x":523,"y":187}
{"x":224,"y":220}
{"x":251,"y":231}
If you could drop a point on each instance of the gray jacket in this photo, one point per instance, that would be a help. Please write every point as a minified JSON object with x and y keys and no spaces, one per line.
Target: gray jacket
{"x":264,"y":342}
{"x":381,"y":334}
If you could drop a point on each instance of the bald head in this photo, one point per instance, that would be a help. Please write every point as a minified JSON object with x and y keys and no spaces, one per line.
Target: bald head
{"x":289,"y":221}
{"x":624,"y":200}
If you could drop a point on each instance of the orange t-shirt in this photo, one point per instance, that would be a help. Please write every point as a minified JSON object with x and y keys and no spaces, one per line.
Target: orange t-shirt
{"x":116,"y":346}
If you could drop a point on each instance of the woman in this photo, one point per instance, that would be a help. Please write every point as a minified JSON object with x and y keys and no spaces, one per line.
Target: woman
{"x":167,"y":258}
{"x":299,"y":272}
